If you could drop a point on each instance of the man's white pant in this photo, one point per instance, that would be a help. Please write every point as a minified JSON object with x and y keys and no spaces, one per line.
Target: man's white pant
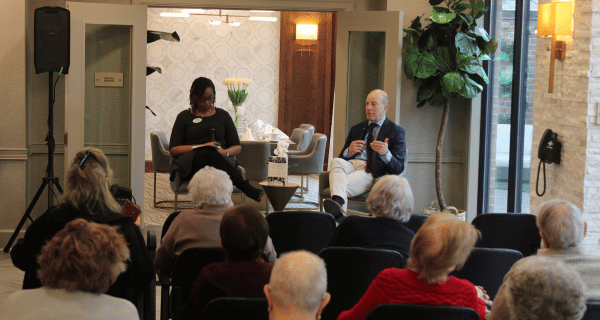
{"x":347,"y":178}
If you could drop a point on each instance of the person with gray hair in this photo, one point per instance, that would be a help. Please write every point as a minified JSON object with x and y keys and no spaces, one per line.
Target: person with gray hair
{"x":539,"y":288}
{"x":210,"y":191}
{"x":298,"y":287}
{"x":562,"y":230}
{"x":391,"y":201}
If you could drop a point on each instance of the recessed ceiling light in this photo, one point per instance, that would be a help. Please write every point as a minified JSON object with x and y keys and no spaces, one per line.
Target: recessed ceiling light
{"x":235,"y":24}
{"x":192,"y":10}
{"x":263,"y":18}
{"x":215,"y":22}
{"x":174,"y":14}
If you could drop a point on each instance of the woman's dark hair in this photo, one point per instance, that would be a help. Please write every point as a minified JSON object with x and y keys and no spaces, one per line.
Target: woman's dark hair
{"x":197,"y":90}
{"x":244,"y":232}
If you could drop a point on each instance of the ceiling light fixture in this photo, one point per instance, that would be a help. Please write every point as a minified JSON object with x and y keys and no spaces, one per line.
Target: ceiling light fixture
{"x":192,"y":10}
{"x":235,"y":24}
{"x":174,"y":14}
{"x":215,"y":22}
{"x":263,"y":18}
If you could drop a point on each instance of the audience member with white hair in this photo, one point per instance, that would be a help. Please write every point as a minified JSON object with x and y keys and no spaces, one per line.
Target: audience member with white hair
{"x":391,"y":202}
{"x":562,"y":230}
{"x":210,"y":192}
{"x":441,"y":246}
{"x":539,"y":288}
{"x":298,"y":287}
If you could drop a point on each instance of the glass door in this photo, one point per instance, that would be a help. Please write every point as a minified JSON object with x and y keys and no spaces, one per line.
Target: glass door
{"x":105,"y":88}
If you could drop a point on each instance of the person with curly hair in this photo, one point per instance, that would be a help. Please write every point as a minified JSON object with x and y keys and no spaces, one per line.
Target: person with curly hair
{"x":78,"y":265}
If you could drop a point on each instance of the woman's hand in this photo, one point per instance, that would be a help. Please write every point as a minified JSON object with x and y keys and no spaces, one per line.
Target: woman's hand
{"x":482,"y":294}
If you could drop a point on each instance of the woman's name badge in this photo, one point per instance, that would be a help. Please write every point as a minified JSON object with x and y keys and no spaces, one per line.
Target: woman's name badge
{"x":197,"y":120}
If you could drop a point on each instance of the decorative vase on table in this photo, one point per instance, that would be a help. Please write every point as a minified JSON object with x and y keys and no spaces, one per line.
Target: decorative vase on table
{"x":236,"y":89}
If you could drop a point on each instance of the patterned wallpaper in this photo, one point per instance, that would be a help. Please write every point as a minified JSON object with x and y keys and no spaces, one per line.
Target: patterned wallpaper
{"x":250,"y":50}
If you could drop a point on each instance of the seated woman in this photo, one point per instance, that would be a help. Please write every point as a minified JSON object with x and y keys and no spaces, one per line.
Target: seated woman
{"x":87,"y":196}
{"x":244,"y":231}
{"x":204,"y":135}
{"x":77,"y":267}
{"x":210,"y":190}
{"x":391,"y":201}
{"x":442,"y":245}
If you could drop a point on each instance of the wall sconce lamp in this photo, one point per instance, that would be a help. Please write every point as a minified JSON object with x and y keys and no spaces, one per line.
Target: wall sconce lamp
{"x":555,"y":19}
{"x":307,"y":31}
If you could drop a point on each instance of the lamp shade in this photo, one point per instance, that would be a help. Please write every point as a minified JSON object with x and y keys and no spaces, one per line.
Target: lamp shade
{"x":307,"y":31}
{"x":555,"y":18}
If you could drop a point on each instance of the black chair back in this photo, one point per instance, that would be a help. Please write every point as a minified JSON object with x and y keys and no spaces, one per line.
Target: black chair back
{"x":398,"y":311}
{"x":187,"y":268}
{"x":168,"y":222}
{"x":416,"y":221}
{"x":487,"y":267}
{"x":300,"y":230}
{"x":593,"y":311}
{"x":508,"y":230}
{"x":236,"y":308}
{"x":350,"y":271}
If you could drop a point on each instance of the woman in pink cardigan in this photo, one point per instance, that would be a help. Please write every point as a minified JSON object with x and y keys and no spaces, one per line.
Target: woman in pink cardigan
{"x":442,"y":245}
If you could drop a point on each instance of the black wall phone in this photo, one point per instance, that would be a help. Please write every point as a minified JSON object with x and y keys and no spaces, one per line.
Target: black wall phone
{"x":548,"y":152}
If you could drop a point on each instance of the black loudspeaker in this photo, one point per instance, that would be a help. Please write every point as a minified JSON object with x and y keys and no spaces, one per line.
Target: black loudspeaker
{"x":52,"y":39}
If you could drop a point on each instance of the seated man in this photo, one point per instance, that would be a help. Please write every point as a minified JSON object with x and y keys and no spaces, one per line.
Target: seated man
{"x":562,"y":230}
{"x":298,"y":287}
{"x":244,"y":232}
{"x":373,"y":148}
{"x":539,"y":288}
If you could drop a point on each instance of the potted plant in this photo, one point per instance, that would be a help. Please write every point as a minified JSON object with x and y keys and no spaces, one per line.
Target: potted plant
{"x":444,"y":59}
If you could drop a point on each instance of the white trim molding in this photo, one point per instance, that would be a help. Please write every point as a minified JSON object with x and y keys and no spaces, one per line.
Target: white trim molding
{"x":19,"y":154}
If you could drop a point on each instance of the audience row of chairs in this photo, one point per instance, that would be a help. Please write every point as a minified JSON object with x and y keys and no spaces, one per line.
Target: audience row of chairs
{"x":351,"y":270}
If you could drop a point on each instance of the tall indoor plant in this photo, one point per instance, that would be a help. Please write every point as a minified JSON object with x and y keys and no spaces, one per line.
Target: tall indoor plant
{"x":444,"y":59}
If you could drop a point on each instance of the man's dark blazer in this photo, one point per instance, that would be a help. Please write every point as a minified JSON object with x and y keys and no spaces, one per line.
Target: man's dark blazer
{"x":396,"y":145}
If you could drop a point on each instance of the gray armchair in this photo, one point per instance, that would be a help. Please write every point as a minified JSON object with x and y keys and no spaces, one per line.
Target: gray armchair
{"x":254,"y":158}
{"x":325,"y":192}
{"x":161,"y":160}
{"x":301,"y":137}
{"x":310,"y":128}
{"x":308,"y":161}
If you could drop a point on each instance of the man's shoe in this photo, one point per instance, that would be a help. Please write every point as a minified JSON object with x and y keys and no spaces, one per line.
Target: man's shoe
{"x":334,"y":209}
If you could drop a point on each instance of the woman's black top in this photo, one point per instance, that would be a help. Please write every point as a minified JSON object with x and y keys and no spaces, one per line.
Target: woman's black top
{"x":190,"y":129}
{"x":139,"y":269}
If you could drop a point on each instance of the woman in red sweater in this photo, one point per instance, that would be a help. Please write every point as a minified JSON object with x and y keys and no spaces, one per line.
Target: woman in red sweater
{"x":442,"y":245}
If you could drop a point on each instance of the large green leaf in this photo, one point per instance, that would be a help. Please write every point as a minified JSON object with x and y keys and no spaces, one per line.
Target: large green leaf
{"x":471,"y":88}
{"x":435,"y":2}
{"x":466,"y":44}
{"x":468,"y":64}
{"x":426,"y":66}
{"x":416,"y":23}
{"x":481,"y":12}
{"x":479,"y":32}
{"x":479,"y":79}
{"x":426,"y":90}
{"x":460,"y":7}
{"x":437,"y":100}
{"x":477,"y":6}
{"x":442,"y":57}
{"x":440,"y":10}
{"x":410,"y":63}
{"x":453,"y":82}
{"x":490,"y":47}
{"x":425,"y":40}
{"x":443,"y":17}
{"x":484,"y":76}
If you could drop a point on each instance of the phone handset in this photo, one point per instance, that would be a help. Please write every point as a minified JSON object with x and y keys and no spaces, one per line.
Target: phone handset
{"x":548,"y":152}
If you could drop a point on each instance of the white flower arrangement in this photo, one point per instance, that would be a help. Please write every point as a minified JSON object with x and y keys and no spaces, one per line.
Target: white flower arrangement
{"x":282,"y":149}
{"x":236,"y":89}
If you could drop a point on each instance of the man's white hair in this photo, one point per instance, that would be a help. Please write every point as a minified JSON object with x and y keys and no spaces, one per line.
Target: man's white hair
{"x":210,"y":186}
{"x":561,"y":222}
{"x":391,"y":197}
{"x":381,"y":95}
{"x":299,"y":280}
{"x":540,"y":288}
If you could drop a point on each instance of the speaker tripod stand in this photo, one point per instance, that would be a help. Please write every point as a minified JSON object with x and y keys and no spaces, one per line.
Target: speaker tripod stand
{"x":49,"y":180}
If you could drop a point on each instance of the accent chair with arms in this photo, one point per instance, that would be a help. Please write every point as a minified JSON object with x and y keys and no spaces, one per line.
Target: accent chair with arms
{"x":301,"y":137}
{"x":308,"y":161}
{"x":300,"y":230}
{"x":508,"y":230}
